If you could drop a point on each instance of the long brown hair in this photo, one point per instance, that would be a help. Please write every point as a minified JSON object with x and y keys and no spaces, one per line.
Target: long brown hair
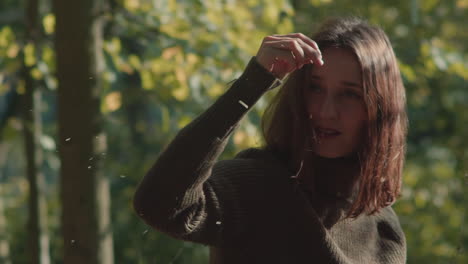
{"x":284,"y":122}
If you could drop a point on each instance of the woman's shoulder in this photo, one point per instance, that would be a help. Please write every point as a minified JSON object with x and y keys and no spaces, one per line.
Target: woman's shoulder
{"x":260,"y":153}
{"x":388,"y":215}
{"x":263,"y":156}
{"x":251,"y":163}
{"x":252,"y":153}
{"x":247,"y":161}
{"x":378,"y":236}
{"x":388,"y":225}
{"x":383,"y":224}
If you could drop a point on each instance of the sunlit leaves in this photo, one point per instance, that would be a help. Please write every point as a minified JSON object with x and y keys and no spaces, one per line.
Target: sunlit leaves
{"x":178,"y":29}
{"x":36,"y":73}
{"x":183,"y":121}
{"x":113,"y":46}
{"x":460,"y":68}
{"x":318,"y":3}
{"x":4,"y":88}
{"x":462,"y":4}
{"x":6,"y":37}
{"x":165,"y":119}
{"x":21,"y":88}
{"x":13,"y":50}
{"x":112,"y":102}
{"x":428,"y":5}
{"x":408,"y":72}
{"x":48,"y":22}
{"x":48,"y":57}
{"x":147,"y":81}
{"x":215,"y":90}
{"x":131,"y":5}
{"x":9,"y":50}
{"x":247,"y":135}
{"x":29,"y":55}
{"x":181,"y":93}
{"x":134,"y":62}
{"x":172,"y":52}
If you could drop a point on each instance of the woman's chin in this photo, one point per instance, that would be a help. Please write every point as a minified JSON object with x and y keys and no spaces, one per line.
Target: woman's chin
{"x":329,"y":153}
{"x":329,"y":156}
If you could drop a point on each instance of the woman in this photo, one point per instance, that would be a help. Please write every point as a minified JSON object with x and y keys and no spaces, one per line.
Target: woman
{"x":320,"y":189}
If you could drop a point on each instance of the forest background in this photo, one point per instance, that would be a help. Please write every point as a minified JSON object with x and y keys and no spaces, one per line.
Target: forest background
{"x":91,"y":92}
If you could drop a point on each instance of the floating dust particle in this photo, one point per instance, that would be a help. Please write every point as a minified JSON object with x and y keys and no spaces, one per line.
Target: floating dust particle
{"x":67,"y":139}
{"x":272,"y":67}
{"x":218,"y":222}
{"x":243,"y":104}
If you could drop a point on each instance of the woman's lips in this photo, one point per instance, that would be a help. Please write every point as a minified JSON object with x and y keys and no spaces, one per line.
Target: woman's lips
{"x":326,"y":133}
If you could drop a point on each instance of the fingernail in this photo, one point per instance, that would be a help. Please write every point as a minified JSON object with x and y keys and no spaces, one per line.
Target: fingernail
{"x":321,"y":61}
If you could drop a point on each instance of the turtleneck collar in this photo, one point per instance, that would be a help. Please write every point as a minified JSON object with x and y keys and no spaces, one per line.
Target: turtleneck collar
{"x":330,"y":184}
{"x":330,"y":177}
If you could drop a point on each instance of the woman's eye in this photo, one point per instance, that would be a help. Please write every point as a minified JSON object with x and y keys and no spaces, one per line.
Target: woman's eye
{"x":352,"y":94}
{"x":314,"y":88}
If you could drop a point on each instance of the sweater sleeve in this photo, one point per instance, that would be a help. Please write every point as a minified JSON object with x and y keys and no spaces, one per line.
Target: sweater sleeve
{"x":184,"y":194}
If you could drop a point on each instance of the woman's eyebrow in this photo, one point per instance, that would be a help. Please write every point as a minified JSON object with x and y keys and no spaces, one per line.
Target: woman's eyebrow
{"x":352,"y":84}
{"x":347,"y":83}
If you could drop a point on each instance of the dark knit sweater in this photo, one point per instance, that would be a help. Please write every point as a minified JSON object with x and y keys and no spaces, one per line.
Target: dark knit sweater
{"x":249,"y":209}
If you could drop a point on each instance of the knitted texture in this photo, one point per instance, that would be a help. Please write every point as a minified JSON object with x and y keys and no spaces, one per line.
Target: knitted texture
{"x":249,"y":209}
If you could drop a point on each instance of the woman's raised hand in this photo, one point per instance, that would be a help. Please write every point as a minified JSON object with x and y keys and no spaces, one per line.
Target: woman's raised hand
{"x":283,"y":54}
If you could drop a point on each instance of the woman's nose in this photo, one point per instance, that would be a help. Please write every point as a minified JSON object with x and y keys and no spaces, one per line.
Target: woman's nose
{"x":328,"y":108}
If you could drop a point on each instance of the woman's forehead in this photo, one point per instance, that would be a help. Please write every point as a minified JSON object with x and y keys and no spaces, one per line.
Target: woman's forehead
{"x":339,"y":64}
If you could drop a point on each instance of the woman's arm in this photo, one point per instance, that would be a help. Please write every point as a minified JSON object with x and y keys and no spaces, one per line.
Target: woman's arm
{"x":174,"y":196}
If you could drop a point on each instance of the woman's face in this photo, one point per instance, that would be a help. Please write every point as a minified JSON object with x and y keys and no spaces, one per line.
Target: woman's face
{"x":334,"y":101}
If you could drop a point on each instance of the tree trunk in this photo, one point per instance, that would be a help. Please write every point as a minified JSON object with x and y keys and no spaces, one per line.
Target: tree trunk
{"x":85,"y":191}
{"x":4,"y":245}
{"x":32,"y":127}
{"x":37,"y":217}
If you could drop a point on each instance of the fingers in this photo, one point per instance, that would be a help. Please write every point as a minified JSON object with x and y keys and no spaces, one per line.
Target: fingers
{"x":282,"y":61}
{"x":303,"y":38}
{"x":304,"y":49}
{"x":283,"y":54}
{"x":290,"y":50}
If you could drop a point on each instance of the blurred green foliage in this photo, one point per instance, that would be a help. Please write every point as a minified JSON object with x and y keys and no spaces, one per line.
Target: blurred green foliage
{"x":167,"y":60}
